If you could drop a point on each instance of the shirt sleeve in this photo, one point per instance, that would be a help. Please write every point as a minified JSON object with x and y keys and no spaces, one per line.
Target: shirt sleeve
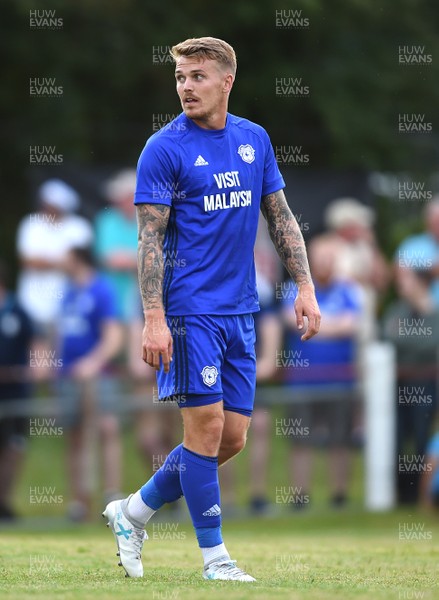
{"x":29,"y":238}
{"x":79,"y":231}
{"x":156,"y":179}
{"x":273,"y":180}
{"x":417,"y":251}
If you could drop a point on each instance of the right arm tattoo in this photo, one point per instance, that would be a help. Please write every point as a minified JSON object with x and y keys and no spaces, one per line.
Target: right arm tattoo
{"x":152,"y":221}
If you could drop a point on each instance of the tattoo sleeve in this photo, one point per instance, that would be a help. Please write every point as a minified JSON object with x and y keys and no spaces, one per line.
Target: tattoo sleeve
{"x":152,"y":221}
{"x":286,"y":236}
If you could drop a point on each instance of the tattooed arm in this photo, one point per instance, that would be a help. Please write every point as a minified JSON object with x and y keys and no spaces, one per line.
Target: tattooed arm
{"x":288,"y":240}
{"x":152,"y":221}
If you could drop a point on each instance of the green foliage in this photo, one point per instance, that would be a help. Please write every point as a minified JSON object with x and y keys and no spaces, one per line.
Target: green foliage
{"x":348,"y":55}
{"x":103,"y":57}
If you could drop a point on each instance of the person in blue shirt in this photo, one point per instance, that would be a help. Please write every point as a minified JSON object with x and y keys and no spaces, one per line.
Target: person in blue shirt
{"x":421,"y":251}
{"x":323,"y":374}
{"x":201,"y":182}
{"x":89,"y":337}
{"x":269,"y":332}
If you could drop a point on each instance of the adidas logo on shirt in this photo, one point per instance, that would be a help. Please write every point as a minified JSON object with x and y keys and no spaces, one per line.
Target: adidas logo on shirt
{"x":200,"y":162}
{"x":213,"y":511}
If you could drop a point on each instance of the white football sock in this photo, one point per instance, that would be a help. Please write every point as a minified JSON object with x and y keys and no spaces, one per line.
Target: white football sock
{"x":214,"y":554}
{"x":137,"y":510}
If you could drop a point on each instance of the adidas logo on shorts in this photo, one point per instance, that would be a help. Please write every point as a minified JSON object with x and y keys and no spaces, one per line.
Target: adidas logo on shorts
{"x":213,"y":511}
{"x":200,"y":162}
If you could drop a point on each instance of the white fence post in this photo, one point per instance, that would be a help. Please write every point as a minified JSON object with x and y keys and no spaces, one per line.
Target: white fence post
{"x":380,"y":426}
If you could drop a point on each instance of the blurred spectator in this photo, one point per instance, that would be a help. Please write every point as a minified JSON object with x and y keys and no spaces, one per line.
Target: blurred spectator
{"x":421,"y":252}
{"x":43,"y":240}
{"x":116,"y":241}
{"x":268,"y":341}
{"x":429,"y":488}
{"x":90,"y":337}
{"x":412,"y":324}
{"x":358,"y":257}
{"x":323,"y":371}
{"x":15,"y":344}
{"x":268,"y":328}
{"x":116,"y":249}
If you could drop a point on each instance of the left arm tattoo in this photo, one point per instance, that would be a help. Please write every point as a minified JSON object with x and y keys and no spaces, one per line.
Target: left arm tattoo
{"x":286,"y":236}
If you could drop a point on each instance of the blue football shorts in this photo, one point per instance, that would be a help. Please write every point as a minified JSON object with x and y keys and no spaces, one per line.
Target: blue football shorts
{"x":214,"y":359}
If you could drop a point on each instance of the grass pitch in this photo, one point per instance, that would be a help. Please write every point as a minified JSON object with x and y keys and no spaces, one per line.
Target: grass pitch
{"x":314,"y":556}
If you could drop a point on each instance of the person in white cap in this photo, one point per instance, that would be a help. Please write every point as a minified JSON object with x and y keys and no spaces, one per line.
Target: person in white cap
{"x":359,"y":259}
{"x":43,"y":240}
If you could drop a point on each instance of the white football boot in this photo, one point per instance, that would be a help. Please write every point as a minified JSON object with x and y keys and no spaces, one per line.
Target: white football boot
{"x":226,"y":571}
{"x":129,"y":539}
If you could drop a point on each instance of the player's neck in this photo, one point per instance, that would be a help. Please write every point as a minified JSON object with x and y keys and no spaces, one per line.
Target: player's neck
{"x":214,"y":121}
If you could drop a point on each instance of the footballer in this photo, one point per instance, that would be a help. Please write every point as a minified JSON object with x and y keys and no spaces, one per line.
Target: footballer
{"x":201,"y":182}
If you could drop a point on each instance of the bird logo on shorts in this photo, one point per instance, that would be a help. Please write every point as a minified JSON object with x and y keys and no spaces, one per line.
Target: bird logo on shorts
{"x":247,"y":153}
{"x":209,"y":375}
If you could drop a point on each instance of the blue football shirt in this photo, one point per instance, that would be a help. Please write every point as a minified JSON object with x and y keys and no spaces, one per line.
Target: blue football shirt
{"x":84,"y":310}
{"x":320,"y":360}
{"x":213,"y":180}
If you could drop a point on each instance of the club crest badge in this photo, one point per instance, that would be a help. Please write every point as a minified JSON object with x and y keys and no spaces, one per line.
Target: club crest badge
{"x":247,"y":153}
{"x":209,"y":375}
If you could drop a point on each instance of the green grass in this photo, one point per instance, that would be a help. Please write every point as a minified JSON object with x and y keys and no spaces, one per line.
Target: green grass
{"x":315,"y":555}
{"x":318,"y":555}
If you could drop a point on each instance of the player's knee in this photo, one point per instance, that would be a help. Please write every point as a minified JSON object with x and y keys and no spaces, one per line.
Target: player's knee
{"x":241,"y":442}
{"x":213,"y":428}
{"x":234,"y":445}
{"x":205,"y":435}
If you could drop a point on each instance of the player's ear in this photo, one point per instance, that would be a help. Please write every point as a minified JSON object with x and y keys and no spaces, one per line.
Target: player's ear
{"x":228,"y":83}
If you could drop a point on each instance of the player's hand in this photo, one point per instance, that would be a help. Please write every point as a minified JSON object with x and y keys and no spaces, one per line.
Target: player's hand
{"x":157,"y":341}
{"x":306,"y":306}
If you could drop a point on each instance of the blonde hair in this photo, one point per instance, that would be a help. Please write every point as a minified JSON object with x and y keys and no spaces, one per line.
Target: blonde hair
{"x":208,"y":48}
